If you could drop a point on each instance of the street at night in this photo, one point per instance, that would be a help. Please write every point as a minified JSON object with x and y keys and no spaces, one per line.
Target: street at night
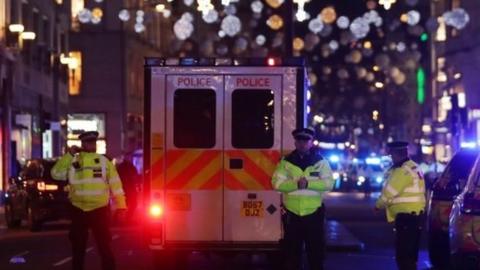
{"x":228,"y":134}
{"x":50,"y":249}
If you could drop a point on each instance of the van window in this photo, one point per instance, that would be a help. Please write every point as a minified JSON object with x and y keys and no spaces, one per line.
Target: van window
{"x":194,"y":114}
{"x":252,"y":118}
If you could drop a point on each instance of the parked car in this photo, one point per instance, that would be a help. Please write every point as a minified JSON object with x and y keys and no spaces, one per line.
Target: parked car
{"x":465,"y":224}
{"x":443,"y":193}
{"x":35,"y":197}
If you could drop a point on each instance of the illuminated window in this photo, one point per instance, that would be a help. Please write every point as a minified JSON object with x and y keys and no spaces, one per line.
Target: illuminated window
{"x":2,"y":19}
{"x":442,"y":30}
{"x":74,"y":62}
{"x":77,"y":6}
{"x":82,"y":122}
{"x":444,"y":105}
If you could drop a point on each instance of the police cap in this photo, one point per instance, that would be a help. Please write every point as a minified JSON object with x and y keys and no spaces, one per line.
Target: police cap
{"x":397,"y":145}
{"x":88,"y":136}
{"x":303,"y":133}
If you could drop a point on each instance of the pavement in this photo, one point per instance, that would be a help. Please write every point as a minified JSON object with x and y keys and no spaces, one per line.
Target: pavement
{"x":338,"y":237}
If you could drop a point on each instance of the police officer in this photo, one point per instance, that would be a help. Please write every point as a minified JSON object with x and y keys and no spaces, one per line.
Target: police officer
{"x":303,"y":176}
{"x":403,"y":198}
{"x":92,"y":178}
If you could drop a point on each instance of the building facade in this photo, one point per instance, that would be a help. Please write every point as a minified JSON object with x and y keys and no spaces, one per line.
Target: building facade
{"x":455,"y":95}
{"x":107,"y":96}
{"x":33,"y":82}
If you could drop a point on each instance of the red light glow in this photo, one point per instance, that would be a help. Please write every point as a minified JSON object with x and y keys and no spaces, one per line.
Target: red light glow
{"x":156,"y":211}
{"x":271,"y":62}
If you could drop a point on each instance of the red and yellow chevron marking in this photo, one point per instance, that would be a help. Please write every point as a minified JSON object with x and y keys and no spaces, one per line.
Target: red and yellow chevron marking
{"x":157,"y":169}
{"x":194,"y":169}
{"x":256,"y":174}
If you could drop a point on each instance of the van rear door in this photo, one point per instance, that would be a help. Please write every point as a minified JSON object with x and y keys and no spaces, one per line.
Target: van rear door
{"x":252,"y":150}
{"x":194,"y":158}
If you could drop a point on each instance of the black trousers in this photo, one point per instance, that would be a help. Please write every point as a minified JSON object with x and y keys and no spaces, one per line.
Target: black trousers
{"x":303,"y":231}
{"x":407,"y":239}
{"x":98,"y":221}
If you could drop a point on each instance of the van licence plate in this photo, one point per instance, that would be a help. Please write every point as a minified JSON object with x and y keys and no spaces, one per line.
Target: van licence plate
{"x":252,"y":209}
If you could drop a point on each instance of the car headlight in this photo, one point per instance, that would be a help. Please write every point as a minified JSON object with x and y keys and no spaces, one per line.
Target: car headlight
{"x":379,"y":179}
{"x":336,"y":175}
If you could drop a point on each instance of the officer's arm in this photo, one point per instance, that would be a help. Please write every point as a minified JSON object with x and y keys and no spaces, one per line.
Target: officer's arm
{"x":323,"y":179}
{"x":395,"y":185}
{"x":115,"y":186}
{"x":59,"y":171}
{"x":281,"y":181}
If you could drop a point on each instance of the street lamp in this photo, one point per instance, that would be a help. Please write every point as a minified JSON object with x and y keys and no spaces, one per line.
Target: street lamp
{"x":28,"y":35}
{"x":16,"y":28}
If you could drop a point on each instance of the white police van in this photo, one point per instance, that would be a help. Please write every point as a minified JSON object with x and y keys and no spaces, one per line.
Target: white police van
{"x":214,"y":132}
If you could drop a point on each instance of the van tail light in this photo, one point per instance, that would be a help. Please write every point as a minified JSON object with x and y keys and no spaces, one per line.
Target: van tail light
{"x":156,"y":211}
{"x":271,"y":61}
{"x":153,"y":231}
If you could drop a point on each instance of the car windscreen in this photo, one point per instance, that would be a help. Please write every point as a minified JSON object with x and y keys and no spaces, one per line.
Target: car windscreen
{"x":475,"y":183}
{"x":460,"y":166}
{"x":376,"y":168}
{"x":32,"y":170}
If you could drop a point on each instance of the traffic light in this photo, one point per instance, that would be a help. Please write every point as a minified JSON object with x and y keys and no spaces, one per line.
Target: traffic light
{"x":420,"y":85}
{"x":424,"y":37}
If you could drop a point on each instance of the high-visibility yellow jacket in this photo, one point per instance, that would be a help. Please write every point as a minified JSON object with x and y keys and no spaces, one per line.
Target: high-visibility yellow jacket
{"x":404,"y":190}
{"x":315,"y":169}
{"x":92,"y":178}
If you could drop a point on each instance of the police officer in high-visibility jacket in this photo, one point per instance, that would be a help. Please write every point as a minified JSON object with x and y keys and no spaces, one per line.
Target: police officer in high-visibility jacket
{"x":303,"y":177}
{"x":92,"y":179}
{"x":403,"y":198}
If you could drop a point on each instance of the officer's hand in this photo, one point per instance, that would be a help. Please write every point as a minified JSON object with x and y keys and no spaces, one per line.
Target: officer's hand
{"x":74,"y":149}
{"x":302,"y":183}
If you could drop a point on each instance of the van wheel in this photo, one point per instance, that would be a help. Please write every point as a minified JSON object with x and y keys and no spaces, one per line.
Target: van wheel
{"x":33,"y":223}
{"x":10,"y":219}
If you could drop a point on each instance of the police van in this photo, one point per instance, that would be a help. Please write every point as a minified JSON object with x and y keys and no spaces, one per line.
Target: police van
{"x":214,"y":132}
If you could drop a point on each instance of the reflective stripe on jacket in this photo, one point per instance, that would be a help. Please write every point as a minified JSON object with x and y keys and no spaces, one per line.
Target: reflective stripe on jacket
{"x":404,"y":191}
{"x":303,"y":201}
{"x":92,"y":178}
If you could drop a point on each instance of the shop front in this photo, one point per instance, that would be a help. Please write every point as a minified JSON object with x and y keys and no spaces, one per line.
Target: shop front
{"x":78,"y":123}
